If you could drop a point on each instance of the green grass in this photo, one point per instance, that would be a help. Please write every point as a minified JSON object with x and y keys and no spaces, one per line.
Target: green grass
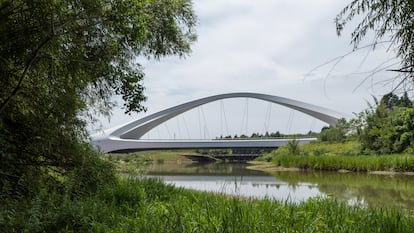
{"x":165,"y":155}
{"x":323,"y":148}
{"x":362,"y":163}
{"x":338,"y":156}
{"x":151,"y":206}
{"x":133,"y":163}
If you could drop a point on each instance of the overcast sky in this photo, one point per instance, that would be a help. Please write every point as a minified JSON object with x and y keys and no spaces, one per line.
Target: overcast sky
{"x":264,"y":46}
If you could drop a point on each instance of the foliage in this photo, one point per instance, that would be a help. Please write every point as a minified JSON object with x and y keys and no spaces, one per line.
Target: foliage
{"x":384,"y":128}
{"x":150,"y":206}
{"x":213,"y":151}
{"x":129,"y":163}
{"x":276,"y":134}
{"x":360,"y":163}
{"x":89,"y":176}
{"x":293,"y":147}
{"x":389,"y":127}
{"x":321,"y":148}
{"x":388,"y":20}
{"x":90,"y":44}
{"x":59,"y":59}
{"x":346,"y":155}
{"x":336,"y":133}
{"x":51,"y":203}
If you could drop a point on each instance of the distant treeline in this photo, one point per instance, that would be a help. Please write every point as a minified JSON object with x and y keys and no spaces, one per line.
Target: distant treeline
{"x":276,"y":134}
{"x":234,"y":151}
{"x":267,"y":135}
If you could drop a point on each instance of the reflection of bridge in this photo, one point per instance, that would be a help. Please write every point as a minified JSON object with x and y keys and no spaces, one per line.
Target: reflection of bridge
{"x":128,"y":137}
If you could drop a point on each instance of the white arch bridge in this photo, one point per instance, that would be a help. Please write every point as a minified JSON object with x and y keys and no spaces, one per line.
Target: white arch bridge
{"x":127,"y":137}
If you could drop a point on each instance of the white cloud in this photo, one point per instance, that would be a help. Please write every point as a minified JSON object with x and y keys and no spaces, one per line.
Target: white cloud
{"x":265,"y":46}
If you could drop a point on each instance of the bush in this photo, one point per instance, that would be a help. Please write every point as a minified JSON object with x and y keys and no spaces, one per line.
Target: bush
{"x":90,"y":175}
{"x":293,"y":147}
{"x":337,"y":133}
{"x":320,"y":148}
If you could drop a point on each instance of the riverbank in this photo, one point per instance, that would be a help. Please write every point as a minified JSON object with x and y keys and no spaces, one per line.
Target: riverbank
{"x":338,"y":157}
{"x":270,"y":167}
{"x":144,"y":205}
{"x":147,"y":205}
{"x":133,"y":163}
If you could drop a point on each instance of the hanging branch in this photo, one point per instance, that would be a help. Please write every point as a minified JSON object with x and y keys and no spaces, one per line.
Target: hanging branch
{"x":23,"y":75}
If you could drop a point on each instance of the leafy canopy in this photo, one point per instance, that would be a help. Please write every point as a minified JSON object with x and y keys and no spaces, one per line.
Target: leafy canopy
{"x":92,"y":44}
{"x":388,"y":126}
{"x":60,"y":58}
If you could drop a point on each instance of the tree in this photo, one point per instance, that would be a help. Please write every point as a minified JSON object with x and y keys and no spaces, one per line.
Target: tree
{"x":390,"y":101}
{"x":336,"y":133}
{"x":389,"y":20}
{"x":59,"y":59}
{"x":388,"y":128}
{"x":92,"y":43}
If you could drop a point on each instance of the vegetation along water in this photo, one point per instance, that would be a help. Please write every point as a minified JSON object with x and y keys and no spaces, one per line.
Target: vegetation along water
{"x":142,"y":205}
{"x":340,"y":156}
{"x":62,"y":61}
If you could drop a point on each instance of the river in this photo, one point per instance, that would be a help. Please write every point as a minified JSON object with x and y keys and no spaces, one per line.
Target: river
{"x":294,"y":186}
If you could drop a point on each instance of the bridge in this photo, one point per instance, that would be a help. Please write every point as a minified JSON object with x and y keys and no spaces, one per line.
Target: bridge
{"x":127,"y":137}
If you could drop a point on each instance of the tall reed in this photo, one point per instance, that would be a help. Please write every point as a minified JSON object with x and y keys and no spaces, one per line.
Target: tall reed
{"x":398,"y":163}
{"x":151,"y":206}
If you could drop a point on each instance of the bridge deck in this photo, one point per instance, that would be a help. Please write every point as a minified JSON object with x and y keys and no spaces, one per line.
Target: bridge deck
{"x":121,"y":145}
{"x":128,"y":136}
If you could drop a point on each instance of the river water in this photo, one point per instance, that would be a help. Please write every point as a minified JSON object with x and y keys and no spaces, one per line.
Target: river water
{"x":235,"y":179}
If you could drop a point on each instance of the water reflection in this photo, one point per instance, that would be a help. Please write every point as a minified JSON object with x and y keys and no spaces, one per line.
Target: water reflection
{"x":359,"y":188}
{"x":246,"y":186}
{"x":235,"y":179}
{"x":181,"y":168}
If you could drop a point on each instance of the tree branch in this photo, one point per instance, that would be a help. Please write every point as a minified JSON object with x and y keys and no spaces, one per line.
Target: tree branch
{"x":26,"y":69}
{"x":402,"y":70}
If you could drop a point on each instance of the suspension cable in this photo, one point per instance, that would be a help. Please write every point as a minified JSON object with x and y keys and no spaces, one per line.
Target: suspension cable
{"x":168,"y":130}
{"x":158,"y":132}
{"x":186,"y":128}
{"x":247,"y":114}
{"x":313,"y":123}
{"x":267,"y":117}
{"x":290,"y":121}
{"x":225,"y":118}
{"x":221,"y":118}
{"x":205,"y":124}
{"x":245,"y":117}
{"x":179,"y":128}
{"x":199,"y":122}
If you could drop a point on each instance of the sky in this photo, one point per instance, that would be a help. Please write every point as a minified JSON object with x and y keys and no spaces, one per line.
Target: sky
{"x":277,"y":47}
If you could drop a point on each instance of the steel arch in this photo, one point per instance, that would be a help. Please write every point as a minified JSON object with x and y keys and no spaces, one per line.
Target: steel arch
{"x":134,"y":130}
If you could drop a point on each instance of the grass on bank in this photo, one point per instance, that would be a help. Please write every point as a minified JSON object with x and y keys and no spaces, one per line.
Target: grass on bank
{"x":338,"y":156}
{"x":131,"y":205}
{"x":142,"y":205}
{"x":132,"y":163}
{"x":149,"y":156}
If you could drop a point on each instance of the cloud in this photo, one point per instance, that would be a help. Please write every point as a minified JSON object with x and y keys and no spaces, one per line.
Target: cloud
{"x":269,"y":47}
